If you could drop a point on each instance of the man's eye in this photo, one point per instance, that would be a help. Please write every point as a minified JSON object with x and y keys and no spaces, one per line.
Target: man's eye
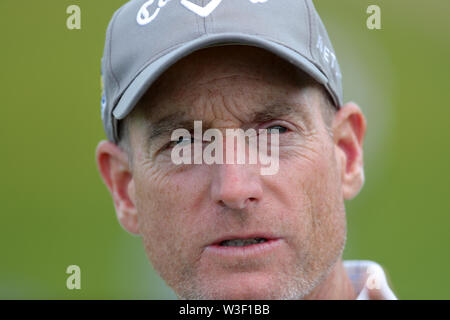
{"x":276,"y":128}
{"x":180,"y":141}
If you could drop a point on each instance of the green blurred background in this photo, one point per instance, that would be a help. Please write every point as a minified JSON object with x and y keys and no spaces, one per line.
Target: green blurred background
{"x":55,"y":210}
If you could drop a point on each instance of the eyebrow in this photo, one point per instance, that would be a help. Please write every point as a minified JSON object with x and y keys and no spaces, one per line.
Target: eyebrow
{"x":179,"y":120}
{"x":168,"y":124}
{"x":279,"y":110}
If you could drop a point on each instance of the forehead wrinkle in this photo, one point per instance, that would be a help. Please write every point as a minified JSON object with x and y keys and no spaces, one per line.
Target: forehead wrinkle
{"x":259,"y":108}
{"x":233,"y":76}
{"x":278,"y":107}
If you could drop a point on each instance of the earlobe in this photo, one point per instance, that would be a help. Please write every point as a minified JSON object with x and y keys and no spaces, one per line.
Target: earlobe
{"x":113,"y":165}
{"x":349,"y":127}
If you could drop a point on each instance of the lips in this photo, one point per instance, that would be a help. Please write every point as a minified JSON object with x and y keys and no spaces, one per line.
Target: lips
{"x":243,"y":246}
{"x":243,"y":240}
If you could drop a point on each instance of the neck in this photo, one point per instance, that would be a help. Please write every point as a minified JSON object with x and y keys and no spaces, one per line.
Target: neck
{"x":337,"y":286}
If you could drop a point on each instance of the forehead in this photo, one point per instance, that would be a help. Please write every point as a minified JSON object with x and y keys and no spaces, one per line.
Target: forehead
{"x":224,"y":80}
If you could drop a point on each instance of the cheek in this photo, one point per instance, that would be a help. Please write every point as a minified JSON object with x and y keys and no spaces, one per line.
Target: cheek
{"x":316,"y":169}
{"x":327,"y":205}
{"x":167,"y":203}
{"x":313,"y":189}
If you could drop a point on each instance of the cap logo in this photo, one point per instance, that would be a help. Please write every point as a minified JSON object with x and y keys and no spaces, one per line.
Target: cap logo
{"x":328,"y":56}
{"x":103,"y":101}
{"x":201,"y":11}
{"x":144,"y":17}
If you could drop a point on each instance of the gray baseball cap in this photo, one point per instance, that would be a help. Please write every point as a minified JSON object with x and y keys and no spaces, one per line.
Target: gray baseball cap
{"x":145,"y":37}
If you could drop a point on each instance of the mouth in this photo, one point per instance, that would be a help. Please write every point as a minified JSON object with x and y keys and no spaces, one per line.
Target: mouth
{"x":244,"y":246}
{"x":242,"y":242}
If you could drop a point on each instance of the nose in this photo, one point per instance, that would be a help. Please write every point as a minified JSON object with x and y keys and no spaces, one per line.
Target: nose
{"x":236,"y":186}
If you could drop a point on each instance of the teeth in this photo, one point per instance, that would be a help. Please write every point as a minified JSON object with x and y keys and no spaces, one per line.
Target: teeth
{"x":242,"y":242}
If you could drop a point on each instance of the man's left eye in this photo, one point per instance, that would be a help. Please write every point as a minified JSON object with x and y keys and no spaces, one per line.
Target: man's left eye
{"x":277,"y":128}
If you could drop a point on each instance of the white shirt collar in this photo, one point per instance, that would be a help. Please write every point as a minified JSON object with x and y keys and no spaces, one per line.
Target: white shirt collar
{"x":369,"y":280}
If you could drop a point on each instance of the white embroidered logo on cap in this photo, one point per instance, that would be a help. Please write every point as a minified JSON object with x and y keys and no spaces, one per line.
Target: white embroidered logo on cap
{"x":328,"y":56}
{"x":201,"y":11}
{"x":144,"y":17}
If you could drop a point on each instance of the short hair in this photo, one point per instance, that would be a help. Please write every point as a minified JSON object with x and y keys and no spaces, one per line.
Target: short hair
{"x":328,"y":109}
{"x":123,"y":129}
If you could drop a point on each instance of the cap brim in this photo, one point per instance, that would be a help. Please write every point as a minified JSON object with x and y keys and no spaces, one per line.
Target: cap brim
{"x":150,"y":73}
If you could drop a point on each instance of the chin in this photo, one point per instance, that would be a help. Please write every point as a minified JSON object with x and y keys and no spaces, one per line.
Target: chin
{"x":246,"y":286}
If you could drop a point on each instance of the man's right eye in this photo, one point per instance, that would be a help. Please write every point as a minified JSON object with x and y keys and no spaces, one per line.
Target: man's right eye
{"x":181,"y":141}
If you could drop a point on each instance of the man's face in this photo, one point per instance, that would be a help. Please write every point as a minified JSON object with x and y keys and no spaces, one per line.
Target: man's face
{"x":186,"y":211}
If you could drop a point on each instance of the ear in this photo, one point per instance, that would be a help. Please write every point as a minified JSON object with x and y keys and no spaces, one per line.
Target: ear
{"x":114,"y":168}
{"x":349,"y":128}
